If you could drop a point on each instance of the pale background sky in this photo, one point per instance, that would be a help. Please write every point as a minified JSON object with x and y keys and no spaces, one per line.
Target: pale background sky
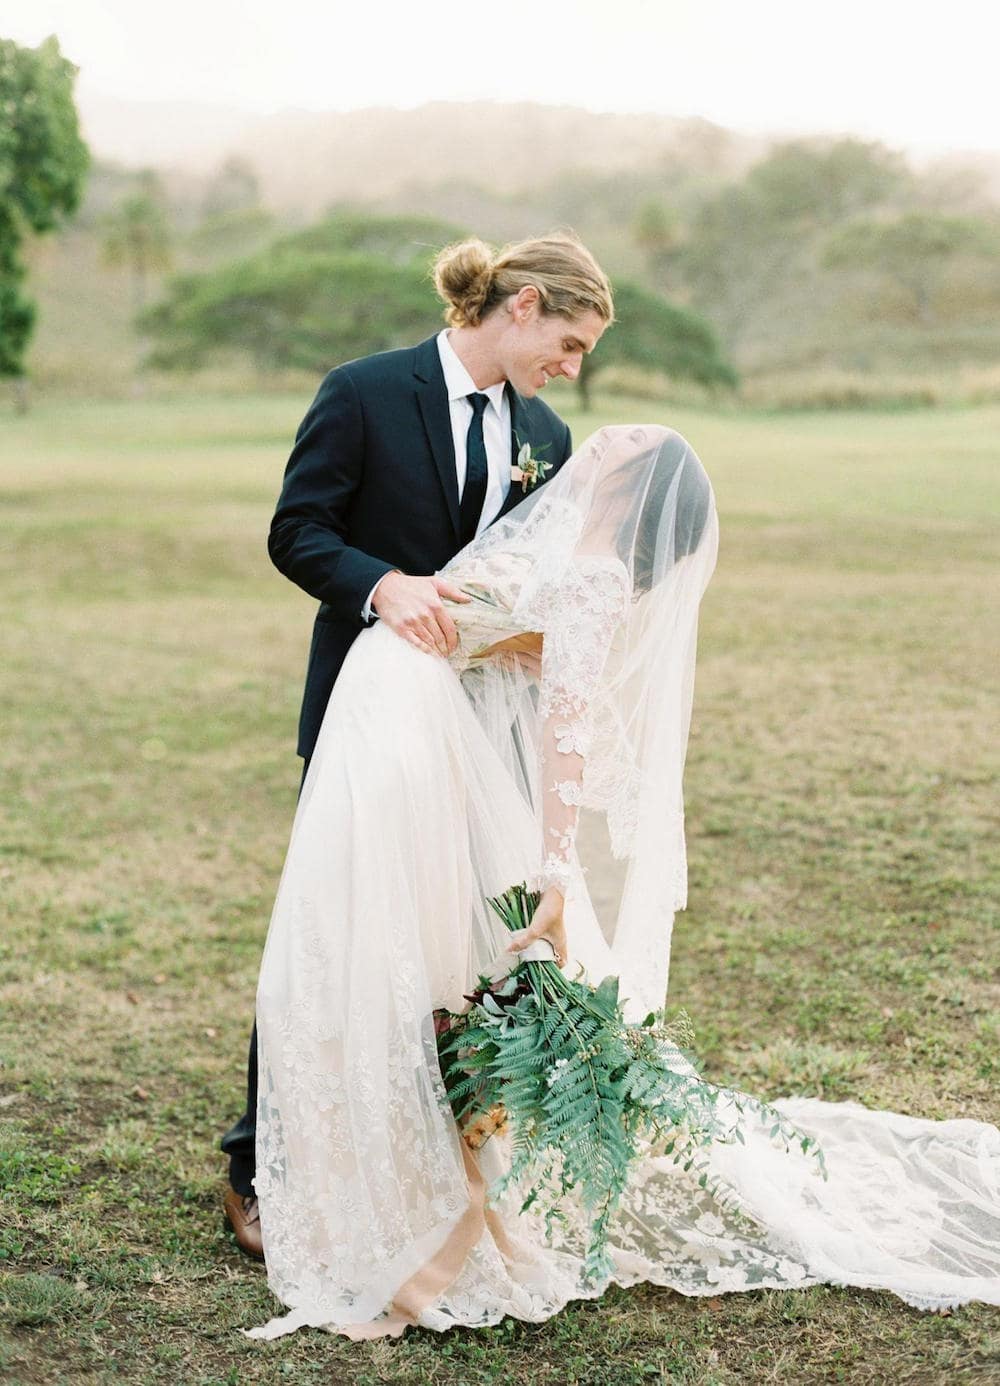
{"x":926,"y":80}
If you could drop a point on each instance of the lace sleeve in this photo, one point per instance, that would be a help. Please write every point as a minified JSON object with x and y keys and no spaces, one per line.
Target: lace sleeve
{"x":579,"y":623}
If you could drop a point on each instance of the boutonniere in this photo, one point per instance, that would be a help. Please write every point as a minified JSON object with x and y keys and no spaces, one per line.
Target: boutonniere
{"x":529,"y":470}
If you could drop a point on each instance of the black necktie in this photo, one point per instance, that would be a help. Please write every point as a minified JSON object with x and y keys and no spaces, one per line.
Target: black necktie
{"x":476,"y":472}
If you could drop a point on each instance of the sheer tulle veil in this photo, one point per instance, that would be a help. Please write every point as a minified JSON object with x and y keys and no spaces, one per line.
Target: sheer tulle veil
{"x":633,"y":503}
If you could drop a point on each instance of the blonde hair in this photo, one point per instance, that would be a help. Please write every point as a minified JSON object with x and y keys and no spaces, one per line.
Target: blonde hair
{"x":473,"y":279}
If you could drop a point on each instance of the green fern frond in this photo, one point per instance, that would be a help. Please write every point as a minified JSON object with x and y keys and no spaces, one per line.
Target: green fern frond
{"x":582,"y":1089}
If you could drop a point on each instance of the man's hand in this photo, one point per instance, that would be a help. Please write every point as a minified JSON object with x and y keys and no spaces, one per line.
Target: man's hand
{"x":414,"y":609}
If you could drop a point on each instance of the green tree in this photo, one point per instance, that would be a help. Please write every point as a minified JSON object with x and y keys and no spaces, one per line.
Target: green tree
{"x":233,"y":222}
{"x":43,"y":162}
{"x":752,"y":245}
{"x":914,"y":251}
{"x":230,"y":235}
{"x":235,"y":187}
{"x":801,"y":186}
{"x":656,"y":335}
{"x":293,"y":309}
{"x":138,"y":235}
{"x":345,"y":287}
{"x":656,"y":231}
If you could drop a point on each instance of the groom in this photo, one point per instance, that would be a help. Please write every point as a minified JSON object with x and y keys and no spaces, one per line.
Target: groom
{"x":401,"y":460}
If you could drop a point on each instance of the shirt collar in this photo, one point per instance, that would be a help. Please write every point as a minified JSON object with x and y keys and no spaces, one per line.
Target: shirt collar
{"x":457,"y":380}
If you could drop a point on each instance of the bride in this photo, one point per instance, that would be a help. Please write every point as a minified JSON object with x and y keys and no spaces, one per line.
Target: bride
{"x":437,"y":784}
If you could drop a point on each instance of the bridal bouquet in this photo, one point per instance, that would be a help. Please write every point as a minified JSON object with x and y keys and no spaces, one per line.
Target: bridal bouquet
{"x":580,"y":1088}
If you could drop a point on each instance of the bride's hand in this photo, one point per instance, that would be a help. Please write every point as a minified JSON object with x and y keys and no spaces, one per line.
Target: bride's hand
{"x":524,"y":650}
{"x":547,"y":922}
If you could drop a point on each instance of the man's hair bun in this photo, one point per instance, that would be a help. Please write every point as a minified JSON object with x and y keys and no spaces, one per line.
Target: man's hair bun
{"x":463,"y":277}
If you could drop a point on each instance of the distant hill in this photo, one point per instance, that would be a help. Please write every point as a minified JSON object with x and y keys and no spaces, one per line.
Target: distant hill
{"x":306,"y":160}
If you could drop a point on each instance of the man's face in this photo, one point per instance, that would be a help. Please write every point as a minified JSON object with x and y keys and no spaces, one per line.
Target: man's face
{"x":539,"y":346}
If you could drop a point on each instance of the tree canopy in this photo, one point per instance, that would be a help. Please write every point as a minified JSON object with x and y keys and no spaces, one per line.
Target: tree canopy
{"x":751,"y":244}
{"x":43,"y":161}
{"x":234,"y":187}
{"x":345,"y":287}
{"x":655,"y":335}
{"x":914,"y":250}
{"x":352,"y":285}
{"x":138,"y":234}
{"x":293,"y":310}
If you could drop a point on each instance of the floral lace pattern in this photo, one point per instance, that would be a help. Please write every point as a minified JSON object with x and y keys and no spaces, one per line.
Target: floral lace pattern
{"x":576,"y":607}
{"x":556,"y":870}
{"x":534,"y":578}
{"x":380,"y":918}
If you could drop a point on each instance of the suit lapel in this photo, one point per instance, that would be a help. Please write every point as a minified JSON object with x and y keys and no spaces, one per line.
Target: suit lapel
{"x":520,"y":433}
{"x":432,"y":399}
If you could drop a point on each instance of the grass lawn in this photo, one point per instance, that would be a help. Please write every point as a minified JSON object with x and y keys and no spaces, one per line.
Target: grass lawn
{"x":841,"y":938}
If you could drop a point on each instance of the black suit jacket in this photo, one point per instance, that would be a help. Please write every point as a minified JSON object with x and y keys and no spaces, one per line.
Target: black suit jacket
{"x":371,"y":486}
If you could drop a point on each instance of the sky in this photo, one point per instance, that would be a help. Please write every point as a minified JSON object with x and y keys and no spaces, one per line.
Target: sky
{"x":882,"y":69}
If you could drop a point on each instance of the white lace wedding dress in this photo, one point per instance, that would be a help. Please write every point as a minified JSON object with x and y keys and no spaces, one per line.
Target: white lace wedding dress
{"x":434,"y":785}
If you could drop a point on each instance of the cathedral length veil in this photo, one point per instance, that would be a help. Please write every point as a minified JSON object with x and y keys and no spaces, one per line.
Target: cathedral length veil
{"x":427,"y":793}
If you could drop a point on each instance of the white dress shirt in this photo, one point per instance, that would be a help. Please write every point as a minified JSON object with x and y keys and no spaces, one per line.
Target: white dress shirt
{"x":496,"y":435}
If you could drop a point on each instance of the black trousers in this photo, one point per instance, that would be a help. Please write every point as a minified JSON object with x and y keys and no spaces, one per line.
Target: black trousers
{"x":240,"y":1141}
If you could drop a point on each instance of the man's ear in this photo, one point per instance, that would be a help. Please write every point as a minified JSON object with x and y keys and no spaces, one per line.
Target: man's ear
{"x":525,"y":304}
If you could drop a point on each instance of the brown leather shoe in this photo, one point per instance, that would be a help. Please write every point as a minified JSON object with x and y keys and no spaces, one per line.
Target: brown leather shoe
{"x":244,"y":1218}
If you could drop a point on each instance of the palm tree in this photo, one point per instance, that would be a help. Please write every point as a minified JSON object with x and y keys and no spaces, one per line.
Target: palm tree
{"x":138,"y":236}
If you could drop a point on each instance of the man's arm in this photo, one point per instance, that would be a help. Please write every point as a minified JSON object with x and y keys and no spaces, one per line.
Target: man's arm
{"x":307,"y":541}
